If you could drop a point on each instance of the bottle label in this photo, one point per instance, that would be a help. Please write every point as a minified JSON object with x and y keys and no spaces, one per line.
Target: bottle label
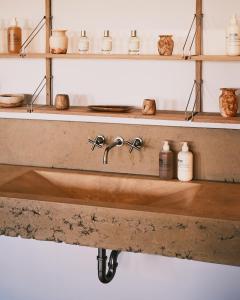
{"x":107,"y":45}
{"x":14,"y":41}
{"x":134,"y":45}
{"x":83,"y":45}
{"x":163,"y":163}
{"x":184,"y":166}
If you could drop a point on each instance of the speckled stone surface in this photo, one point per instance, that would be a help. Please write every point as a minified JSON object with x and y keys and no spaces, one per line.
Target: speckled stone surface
{"x":193,"y":237}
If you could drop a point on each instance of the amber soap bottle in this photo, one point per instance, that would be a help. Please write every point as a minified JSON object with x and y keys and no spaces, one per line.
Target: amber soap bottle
{"x":14,"y":37}
{"x":166,"y":163}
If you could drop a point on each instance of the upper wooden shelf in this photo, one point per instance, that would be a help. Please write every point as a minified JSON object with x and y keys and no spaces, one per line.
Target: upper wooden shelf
{"x":216,"y":58}
{"x":146,"y":57}
{"x":115,"y":56}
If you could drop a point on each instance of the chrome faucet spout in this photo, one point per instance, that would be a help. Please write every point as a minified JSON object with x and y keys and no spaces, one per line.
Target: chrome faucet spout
{"x":118,"y":142}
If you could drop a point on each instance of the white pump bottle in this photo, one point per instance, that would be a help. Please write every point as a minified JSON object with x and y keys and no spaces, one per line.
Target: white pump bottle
{"x":185,"y":164}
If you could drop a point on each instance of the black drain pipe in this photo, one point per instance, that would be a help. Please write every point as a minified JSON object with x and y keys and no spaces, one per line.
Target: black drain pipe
{"x":104,"y":275}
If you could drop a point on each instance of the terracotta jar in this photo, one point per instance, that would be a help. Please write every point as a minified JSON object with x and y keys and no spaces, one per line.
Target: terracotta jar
{"x":149,"y":107}
{"x":165,"y":45}
{"x":58,"y":42}
{"x":228,"y":103}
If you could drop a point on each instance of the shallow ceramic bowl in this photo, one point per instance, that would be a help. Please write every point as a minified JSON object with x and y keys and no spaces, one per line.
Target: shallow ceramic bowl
{"x":11,"y":100}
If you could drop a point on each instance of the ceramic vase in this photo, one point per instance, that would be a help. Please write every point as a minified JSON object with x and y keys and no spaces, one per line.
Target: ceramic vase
{"x":58,"y":42}
{"x":62,"y":102}
{"x":149,"y":107}
{"x":165,"y":45}
{"x":228,"y":103}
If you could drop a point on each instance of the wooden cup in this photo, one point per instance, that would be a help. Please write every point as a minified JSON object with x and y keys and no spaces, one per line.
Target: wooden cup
{"x":149,"y":107}
{"x":62,"y":102}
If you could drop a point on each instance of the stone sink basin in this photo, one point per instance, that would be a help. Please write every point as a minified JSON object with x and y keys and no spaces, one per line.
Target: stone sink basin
{"x":123,"y":191}
{"x":197,"y":220}
{"x":101,"y":187}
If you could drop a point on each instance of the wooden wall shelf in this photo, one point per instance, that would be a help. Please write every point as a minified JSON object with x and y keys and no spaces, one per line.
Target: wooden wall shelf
{"x":84,"y":111}
{"x":198,"y":58}
{"x":215,"y":118}
{"x":136,"y":113}
{"x":115,"y":56}
{"x":216,"y":58}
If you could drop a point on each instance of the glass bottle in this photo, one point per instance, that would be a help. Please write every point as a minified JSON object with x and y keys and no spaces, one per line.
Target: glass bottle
{"x":14,"y":37}
{"x":233,"y":37}
{"x":106,"y":43}
{"x":83,"y":44}
{"x":134,"y":43}
{"x":3,"y":37}
{"x":166,"y":165}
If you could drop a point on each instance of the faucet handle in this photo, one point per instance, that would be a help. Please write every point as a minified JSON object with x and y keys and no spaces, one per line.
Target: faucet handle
{"x":137,"y":144}
{"x":99,"y":141}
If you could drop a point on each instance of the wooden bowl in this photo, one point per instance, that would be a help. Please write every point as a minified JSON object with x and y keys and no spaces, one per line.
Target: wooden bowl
{"x":11,"y":100}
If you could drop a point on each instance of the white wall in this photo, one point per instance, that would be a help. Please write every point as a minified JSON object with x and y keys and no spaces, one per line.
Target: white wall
{"x":41,"y":270}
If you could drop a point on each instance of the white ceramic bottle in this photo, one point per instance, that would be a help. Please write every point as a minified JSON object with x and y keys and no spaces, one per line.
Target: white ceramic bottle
{"x":83,"y":44}
{"x":233,"y":37}
{"x":58,"y":41}
{"x":185,"y":164}
{"x":134,"y":43}
{"x":106,"y":43}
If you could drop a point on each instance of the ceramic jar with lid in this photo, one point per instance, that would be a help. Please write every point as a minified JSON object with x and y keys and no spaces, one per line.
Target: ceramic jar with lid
{"x":58,"y":42}
{"x":165,"y":45}
{"x":228,"y":103}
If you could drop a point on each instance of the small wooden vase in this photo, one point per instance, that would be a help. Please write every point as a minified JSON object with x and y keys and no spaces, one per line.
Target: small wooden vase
{"x":165,"y":45}
{"x":228,"y":103}
{"x":62,"y":102}
{"x":149,"y":107}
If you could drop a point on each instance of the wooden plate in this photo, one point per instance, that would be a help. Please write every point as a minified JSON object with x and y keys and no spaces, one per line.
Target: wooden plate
{"x":110,"y":108}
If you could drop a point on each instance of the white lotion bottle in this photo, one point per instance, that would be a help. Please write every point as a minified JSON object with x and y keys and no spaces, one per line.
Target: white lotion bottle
{"x":233,"y":37}
{"x":185,"y":164}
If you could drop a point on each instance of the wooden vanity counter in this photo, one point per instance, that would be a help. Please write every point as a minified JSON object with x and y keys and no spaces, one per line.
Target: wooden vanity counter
{"x":198,"y":220}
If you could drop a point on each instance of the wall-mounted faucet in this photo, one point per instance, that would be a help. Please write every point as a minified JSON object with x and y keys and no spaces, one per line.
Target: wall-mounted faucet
{"x":99,"y":141}
{"x":118,"y":142}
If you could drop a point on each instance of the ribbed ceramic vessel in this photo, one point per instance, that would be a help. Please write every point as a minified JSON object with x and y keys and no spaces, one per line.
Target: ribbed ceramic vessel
{"x":228,"y":102}
{"x":165,"y":45}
